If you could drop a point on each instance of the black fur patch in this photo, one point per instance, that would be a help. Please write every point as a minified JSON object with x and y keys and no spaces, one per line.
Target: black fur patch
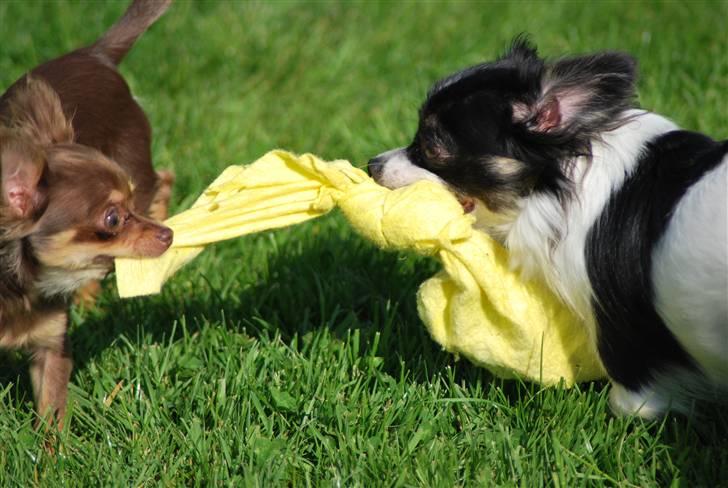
{"x":633,"y":341}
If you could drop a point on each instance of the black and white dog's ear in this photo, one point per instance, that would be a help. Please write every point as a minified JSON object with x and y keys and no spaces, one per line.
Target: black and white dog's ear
{"x":580,"y":93}
{"x":522,"y":49}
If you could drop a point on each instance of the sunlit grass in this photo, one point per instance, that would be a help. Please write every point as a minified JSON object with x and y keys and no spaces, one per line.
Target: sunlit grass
{"x":296,"y":357}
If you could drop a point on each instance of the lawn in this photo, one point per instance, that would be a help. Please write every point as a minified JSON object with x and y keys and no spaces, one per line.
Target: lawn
{"x":296,"y":357}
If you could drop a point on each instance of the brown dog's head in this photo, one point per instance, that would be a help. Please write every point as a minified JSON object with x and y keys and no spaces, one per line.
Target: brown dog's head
{"x":70,"y":204}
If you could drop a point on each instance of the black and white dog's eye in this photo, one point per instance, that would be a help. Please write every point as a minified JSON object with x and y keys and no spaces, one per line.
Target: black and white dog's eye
{"x":430,"y":153}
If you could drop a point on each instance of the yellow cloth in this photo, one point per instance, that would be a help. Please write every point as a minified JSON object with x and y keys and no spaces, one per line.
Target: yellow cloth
{"x":476,"y":306}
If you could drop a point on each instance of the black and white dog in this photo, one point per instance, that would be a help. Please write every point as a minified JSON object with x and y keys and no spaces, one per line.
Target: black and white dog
{"x":622,"y":213}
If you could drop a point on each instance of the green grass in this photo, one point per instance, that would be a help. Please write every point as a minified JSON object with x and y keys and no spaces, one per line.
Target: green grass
{"x":296,"y":357}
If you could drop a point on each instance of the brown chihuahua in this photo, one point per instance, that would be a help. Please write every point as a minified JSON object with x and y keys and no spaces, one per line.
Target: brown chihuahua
{"x":77,"y":186}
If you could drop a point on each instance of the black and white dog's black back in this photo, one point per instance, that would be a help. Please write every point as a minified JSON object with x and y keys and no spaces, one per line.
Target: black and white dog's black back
{"x":624,"y":215}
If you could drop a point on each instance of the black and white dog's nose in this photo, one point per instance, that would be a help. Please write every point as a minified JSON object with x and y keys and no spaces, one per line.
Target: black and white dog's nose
{"x":375,"y":167}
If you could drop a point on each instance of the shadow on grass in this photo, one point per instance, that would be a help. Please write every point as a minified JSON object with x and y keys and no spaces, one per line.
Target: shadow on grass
{"x":337,"y":282}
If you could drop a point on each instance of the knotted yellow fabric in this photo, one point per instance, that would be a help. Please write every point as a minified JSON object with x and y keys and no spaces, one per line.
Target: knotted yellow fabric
{"x":476,"y":306}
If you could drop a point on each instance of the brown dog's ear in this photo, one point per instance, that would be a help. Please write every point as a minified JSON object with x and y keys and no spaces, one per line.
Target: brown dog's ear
{"x":36,"y":111}
{"x":23,"y":167}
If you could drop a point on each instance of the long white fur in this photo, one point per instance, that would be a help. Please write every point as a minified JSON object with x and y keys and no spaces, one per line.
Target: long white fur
{"x":690,"y":263}
{"x":549,"y":241}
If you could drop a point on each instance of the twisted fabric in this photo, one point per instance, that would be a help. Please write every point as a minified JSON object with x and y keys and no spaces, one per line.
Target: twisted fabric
{"x":476,"y":306}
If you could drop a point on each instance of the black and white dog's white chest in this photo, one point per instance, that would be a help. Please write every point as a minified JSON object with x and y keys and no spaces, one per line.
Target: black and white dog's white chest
{"x":657,"y":266}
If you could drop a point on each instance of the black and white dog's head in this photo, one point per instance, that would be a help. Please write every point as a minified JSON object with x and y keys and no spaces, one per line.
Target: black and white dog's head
{"x":499,"y":131}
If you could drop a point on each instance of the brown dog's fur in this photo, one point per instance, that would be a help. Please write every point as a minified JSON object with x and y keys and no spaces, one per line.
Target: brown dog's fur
{"x":77,"y":187}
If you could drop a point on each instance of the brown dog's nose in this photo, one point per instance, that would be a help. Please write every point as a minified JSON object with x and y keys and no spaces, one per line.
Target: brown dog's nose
{"x":165,"y":235}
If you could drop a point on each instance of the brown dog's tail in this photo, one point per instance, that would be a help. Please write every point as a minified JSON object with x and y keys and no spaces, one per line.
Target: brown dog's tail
{"x":121,"y":36}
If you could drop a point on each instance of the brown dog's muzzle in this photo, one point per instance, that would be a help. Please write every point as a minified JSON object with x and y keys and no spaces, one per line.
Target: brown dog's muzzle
{"x":149,"y":238}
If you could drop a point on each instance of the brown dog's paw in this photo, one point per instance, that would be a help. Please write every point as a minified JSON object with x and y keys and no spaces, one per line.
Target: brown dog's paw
{"x":51,"y":438}
{"x":50,"y":427}
{"x":86,"y":295}
{"x":159,"y":208}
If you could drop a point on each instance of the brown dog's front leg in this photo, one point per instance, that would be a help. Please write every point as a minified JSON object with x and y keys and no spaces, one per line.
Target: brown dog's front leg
{"x":159,"y":208}
{"x":50,"y":373}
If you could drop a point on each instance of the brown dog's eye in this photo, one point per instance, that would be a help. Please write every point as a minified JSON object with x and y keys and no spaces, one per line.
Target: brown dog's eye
{"x":112,"y":219}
